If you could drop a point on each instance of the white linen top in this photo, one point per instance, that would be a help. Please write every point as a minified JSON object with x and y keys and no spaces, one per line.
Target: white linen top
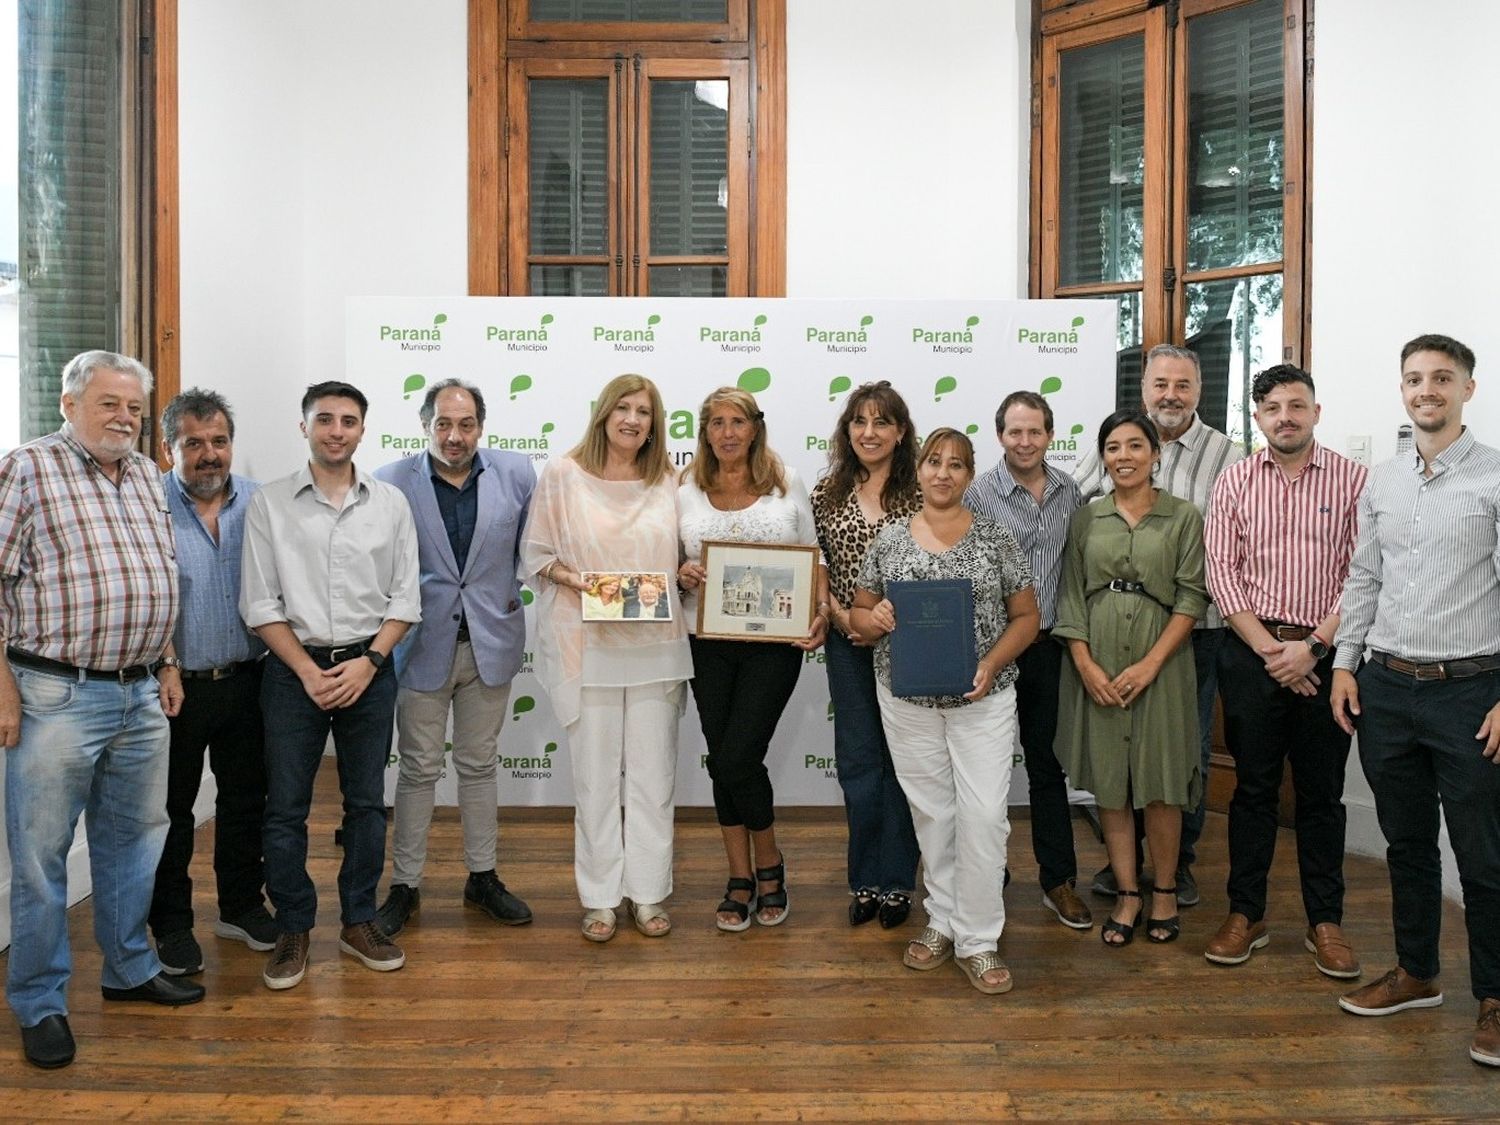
{"x":771,"y":519}
{"x":618,"y":526}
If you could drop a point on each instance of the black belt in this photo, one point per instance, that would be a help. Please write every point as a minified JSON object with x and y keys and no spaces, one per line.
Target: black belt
{"x":1463,"y":669}
{"x":220,"y":673}
{"x":340,"y":653}
{"x":1286,"y":631}
{"x":72,"y":671}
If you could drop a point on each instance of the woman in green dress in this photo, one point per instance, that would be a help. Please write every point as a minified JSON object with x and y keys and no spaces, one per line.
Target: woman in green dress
{"x":1127,"y":730}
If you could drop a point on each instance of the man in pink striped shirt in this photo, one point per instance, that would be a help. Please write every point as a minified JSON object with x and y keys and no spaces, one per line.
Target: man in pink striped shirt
{"x":1279,"y":537}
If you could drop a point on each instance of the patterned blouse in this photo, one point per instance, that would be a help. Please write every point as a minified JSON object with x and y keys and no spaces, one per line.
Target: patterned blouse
{"x":845,"y":535}
{"x":987,"y":555}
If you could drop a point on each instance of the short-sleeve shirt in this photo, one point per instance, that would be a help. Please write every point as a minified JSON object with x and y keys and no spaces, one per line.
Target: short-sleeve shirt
{"x":987,"y":555}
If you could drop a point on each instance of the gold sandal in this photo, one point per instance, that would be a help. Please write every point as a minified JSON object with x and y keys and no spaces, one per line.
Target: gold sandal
{"x":599,"y":917}
{"x":942,"y":949}
{"x":986,"y":962}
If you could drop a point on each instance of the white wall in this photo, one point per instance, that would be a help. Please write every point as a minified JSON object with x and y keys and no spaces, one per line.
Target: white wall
{"x":1404,"y":235}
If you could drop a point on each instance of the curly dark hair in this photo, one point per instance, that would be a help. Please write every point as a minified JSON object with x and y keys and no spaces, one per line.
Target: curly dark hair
{"x":845,"y":470}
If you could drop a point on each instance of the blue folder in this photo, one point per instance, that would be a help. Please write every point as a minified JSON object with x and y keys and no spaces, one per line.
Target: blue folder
{"x":932,"y":648}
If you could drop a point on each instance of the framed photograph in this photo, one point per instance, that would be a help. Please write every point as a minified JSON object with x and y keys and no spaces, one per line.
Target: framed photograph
{"x":629,"y":595}
{"x":757,"y":591}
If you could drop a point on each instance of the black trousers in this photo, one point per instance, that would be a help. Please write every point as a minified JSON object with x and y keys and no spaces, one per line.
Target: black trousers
{"x":1267,"y":725}
{"x":741,"y":688}
{"x":223,"y":717}
{"x":1040,"y":668}
{"x":1417,"y":745}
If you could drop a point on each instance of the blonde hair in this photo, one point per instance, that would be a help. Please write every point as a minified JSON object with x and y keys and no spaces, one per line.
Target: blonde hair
{"x":943,"y":437}
{"x":766,"y":471}
{"x":592,"y":451}
{"x":596,"y":587}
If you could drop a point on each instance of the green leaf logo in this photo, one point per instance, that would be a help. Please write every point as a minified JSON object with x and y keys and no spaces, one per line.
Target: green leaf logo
{"x":441,"y":318}
{"x":759,"y":321}
{"x":547,"y":428}
{"x":971,"y":429}
{"x":518,"y":384}
{"x":546,"y":318}
{"x":1076,"y":430}
{"x":838,"y":386}
{"x":652,"y":319}
{"x":1078,"y":322}
{"x":866,"y":321}
{"x":413,"y":384}
{"x":754,"y":380}
{"x":527,"y":597}
{"x":521,"y":706}
{"x":1050,"y":384}
{"x":971,"y":322}
{"x":830,"y":710}
{"x":943,"y":386}
{"x":549,"y":749}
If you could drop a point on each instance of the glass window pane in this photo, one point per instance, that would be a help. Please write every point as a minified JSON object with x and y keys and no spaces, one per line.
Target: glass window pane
{"x":1235,"y":137}
{"x":1235,"y":327}
{"x":570,"y":281}
{"x":689,"y":281}
{"x":569,"y":123}
{"x":1128,"y":340}
{"x":1102,"y":161}
{"x":631,"y":11}
{"x":689,"y":167}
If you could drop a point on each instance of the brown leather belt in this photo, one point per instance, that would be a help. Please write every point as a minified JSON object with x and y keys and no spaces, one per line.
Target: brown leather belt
{"x":1282,"y":631}
{"x":1463,"y":669}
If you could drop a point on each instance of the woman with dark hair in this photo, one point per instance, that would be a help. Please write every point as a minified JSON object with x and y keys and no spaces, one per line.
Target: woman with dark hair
{"x":737,"y":489}
{"x":871,"y":483}
{"x":1127,"y":724}
{"x":952,"y":752}
{"x":611,"y":503}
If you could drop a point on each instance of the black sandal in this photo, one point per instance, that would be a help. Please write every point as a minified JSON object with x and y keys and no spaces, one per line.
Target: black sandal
{"x":734,"y":906}
{"x":864,"y":904}
{"x":1172,"y":925}
{"x":1124,"y":929}
{"x":776,"y":899}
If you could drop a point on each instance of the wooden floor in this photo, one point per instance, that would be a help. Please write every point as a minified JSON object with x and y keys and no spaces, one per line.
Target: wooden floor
{"x":811,"y":1021}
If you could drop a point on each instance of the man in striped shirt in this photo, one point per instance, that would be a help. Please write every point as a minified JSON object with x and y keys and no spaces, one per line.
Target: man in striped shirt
{"x":1278,"y":544}
{"x":1193,"y":454}
{"x":1423,"y":596}
{"x":1035,"y":501}
{"x":88,"y":598}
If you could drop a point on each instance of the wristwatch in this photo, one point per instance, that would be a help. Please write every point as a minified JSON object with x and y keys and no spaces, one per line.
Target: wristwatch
{"x":169,"y":662}
{"x":1315,"y":643}
{"x":375,"y":657}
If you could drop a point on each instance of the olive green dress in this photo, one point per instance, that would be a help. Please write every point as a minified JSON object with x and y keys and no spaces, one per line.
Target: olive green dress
{"x":1149,"y":750}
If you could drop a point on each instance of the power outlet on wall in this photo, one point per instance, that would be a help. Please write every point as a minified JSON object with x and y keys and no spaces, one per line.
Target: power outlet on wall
{"x":1359,"y":448}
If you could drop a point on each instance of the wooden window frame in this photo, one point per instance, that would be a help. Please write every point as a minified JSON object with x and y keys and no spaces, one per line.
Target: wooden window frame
{"x":520,"y":25}
{"x":492,"y":146}
{"x":1059,"y":25}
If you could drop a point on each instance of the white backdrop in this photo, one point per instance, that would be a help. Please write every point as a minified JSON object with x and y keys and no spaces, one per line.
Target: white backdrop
{"x":540,"y":361}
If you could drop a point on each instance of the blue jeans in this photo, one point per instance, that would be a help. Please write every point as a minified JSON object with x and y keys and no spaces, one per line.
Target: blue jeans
{"x":96,"y":747}
{"x":1207,"y":645}
{"x":296,"y":731}
{"x":882,"y":842}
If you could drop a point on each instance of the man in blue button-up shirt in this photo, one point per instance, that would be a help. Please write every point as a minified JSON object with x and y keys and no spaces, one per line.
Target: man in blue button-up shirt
{"x":221,"y":689}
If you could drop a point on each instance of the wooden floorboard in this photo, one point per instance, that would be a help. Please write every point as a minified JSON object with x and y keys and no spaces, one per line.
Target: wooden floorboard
{"x":811,"y":1021}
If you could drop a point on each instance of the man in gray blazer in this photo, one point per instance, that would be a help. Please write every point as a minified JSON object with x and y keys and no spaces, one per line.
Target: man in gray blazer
{"x":469,"y":506}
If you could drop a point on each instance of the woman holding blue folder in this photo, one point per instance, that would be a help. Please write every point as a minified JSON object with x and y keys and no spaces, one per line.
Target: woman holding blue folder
{"x":948,"y":748}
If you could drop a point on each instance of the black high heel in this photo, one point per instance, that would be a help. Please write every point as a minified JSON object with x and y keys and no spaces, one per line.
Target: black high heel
{"x":1126,"y":930}
{"x":1172,"y":925}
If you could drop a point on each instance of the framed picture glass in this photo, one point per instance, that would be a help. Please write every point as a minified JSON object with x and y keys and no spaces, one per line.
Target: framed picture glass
{"x":614,"y":595}
{"x":757,"y":591}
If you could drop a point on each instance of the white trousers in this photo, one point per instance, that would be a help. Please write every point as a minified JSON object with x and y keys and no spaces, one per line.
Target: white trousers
{"x":421,"y":729}
{"x":954,"y":765}
{"x":632,"y":732}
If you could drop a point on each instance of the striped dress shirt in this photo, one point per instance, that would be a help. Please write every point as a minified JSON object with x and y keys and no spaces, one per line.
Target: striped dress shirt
{"x":1280,"y":548}
{"x":87,"y":569}
{"x":1040,"y":529}
{"x":1189,"y":466}
{"x":1424,"y":583}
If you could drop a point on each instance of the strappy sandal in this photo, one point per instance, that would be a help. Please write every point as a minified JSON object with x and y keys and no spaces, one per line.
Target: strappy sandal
{"x":985,"y":962}
{"x":1172,"y":925}
{"x":940,"y":945}
{"x":772,"y":900}
{"x":734,"y":906}
{"x":600,"y":917}
{"x":1124,"y":929}
{"x":644,"y":913}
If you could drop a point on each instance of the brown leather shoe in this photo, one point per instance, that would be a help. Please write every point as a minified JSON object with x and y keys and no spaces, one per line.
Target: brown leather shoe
{"x":366,"y":942}
{"x":1332,"y":953}
{"x":1063,"y":901}
{"x":1486,"y":1046}
{"x":1237,"y":938}
{"x":287,"y":964}
{"x":1394,"y":992}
